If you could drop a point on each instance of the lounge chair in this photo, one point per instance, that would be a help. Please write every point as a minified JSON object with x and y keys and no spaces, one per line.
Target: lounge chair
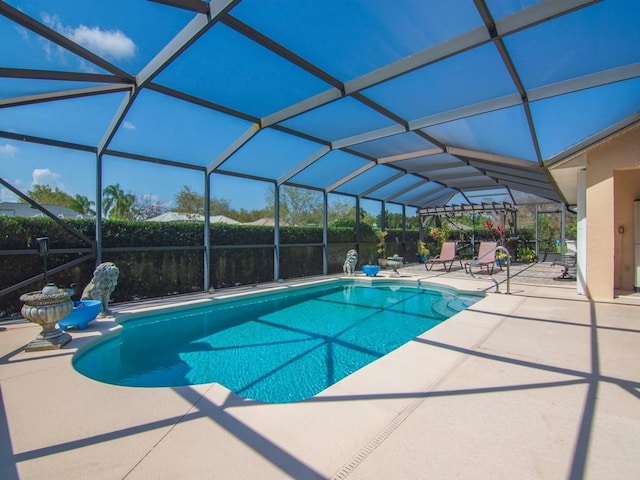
{"x":486,"y":258}
{"x":447,"y":255}
{"x":567,"y":262}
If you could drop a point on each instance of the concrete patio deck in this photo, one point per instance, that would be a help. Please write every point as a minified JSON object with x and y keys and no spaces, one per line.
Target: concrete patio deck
{"x":539,"y":384}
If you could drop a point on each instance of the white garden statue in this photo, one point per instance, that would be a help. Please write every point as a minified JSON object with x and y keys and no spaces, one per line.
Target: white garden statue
{"x":349,"y":267}
{"x":104,"y":281}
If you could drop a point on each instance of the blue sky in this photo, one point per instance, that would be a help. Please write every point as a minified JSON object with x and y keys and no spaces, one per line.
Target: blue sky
{"x":25,"y":165}
{"x":119,"y":38}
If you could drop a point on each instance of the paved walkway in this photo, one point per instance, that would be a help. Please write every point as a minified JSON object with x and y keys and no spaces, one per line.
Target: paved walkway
{"x":539,"y":384}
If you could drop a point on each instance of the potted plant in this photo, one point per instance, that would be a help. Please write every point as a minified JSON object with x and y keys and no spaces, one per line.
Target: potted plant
{"x":440,"y":234}
{"x":370,"y":270}
{"x":422,"y":251}
{"x":501,"y":258}
{"x":527,"y":255}
{"x":381,"y":247}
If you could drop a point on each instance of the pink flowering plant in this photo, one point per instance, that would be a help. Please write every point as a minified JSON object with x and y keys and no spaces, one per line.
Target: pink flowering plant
{"x":496,"y":230}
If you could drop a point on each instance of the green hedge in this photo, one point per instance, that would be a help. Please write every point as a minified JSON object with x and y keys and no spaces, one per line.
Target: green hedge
{"x":154,"y":273}
{"x":17,"y":233}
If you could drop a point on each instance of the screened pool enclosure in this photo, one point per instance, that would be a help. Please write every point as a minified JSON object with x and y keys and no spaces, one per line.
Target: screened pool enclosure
{"x":383,"y":107}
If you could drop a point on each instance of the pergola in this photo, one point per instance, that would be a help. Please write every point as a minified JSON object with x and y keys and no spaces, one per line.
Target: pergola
{"x":506,"y":212}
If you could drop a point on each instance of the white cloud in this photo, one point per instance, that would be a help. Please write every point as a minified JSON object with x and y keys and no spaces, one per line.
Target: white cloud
{"x":128,"y":125}
{"x":108,"y":43}
{"x":7,"y":150}
{"x":7,"y":195}
{"x":23,"y":32}
{"x":44,"y":176}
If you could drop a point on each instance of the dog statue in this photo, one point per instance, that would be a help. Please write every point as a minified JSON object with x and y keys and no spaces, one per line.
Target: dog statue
{"x":105,"y":278}
{"x":349,"y":267}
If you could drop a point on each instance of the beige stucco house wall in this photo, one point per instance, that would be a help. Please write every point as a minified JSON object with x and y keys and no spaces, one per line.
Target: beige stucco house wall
{"x":612,"y":184}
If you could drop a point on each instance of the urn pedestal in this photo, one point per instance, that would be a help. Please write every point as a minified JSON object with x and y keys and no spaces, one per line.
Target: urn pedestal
{"x":46,"y":309}
{"x":394,"y":263}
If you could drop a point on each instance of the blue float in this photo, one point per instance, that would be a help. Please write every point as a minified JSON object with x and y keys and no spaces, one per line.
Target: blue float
{"x":83,"y":313}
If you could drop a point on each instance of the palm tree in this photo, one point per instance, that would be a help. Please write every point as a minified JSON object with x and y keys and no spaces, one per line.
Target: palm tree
{"x":83,"y":205}
{"x":116,"y":204}
{"x":109,"y":196}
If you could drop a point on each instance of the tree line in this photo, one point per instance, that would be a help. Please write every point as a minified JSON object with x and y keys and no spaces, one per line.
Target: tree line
{"x":298,"y":206}
{"x":120,"y":205}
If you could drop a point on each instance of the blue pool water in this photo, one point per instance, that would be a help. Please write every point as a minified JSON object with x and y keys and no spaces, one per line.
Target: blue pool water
{"x":280,"y":347}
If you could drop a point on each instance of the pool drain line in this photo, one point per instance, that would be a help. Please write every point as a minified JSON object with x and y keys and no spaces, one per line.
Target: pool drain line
{"x":377,"y":440}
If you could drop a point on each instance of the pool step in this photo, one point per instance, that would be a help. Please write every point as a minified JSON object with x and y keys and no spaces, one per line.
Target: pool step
{"x":448,"y":306}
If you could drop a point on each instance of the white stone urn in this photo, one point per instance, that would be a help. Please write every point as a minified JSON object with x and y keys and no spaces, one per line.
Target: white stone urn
{"x":394,"y":263}
{"x":46,"y":309}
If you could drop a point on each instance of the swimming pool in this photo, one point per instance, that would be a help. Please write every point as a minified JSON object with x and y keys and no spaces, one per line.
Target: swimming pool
{"x":277,"y":347}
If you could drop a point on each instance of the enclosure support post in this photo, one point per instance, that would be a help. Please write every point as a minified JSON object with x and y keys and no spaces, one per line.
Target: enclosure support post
{"x":98,"y":225}
{"x":276,"y":233}
{"x":207,"y":232}
{"x":537,"y":231}
{"x":563,"y":226}
{"x":473,"y":233}
{"x":358,"y":239}
{"x":325,"y":234}
{"x":404,"y":230}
